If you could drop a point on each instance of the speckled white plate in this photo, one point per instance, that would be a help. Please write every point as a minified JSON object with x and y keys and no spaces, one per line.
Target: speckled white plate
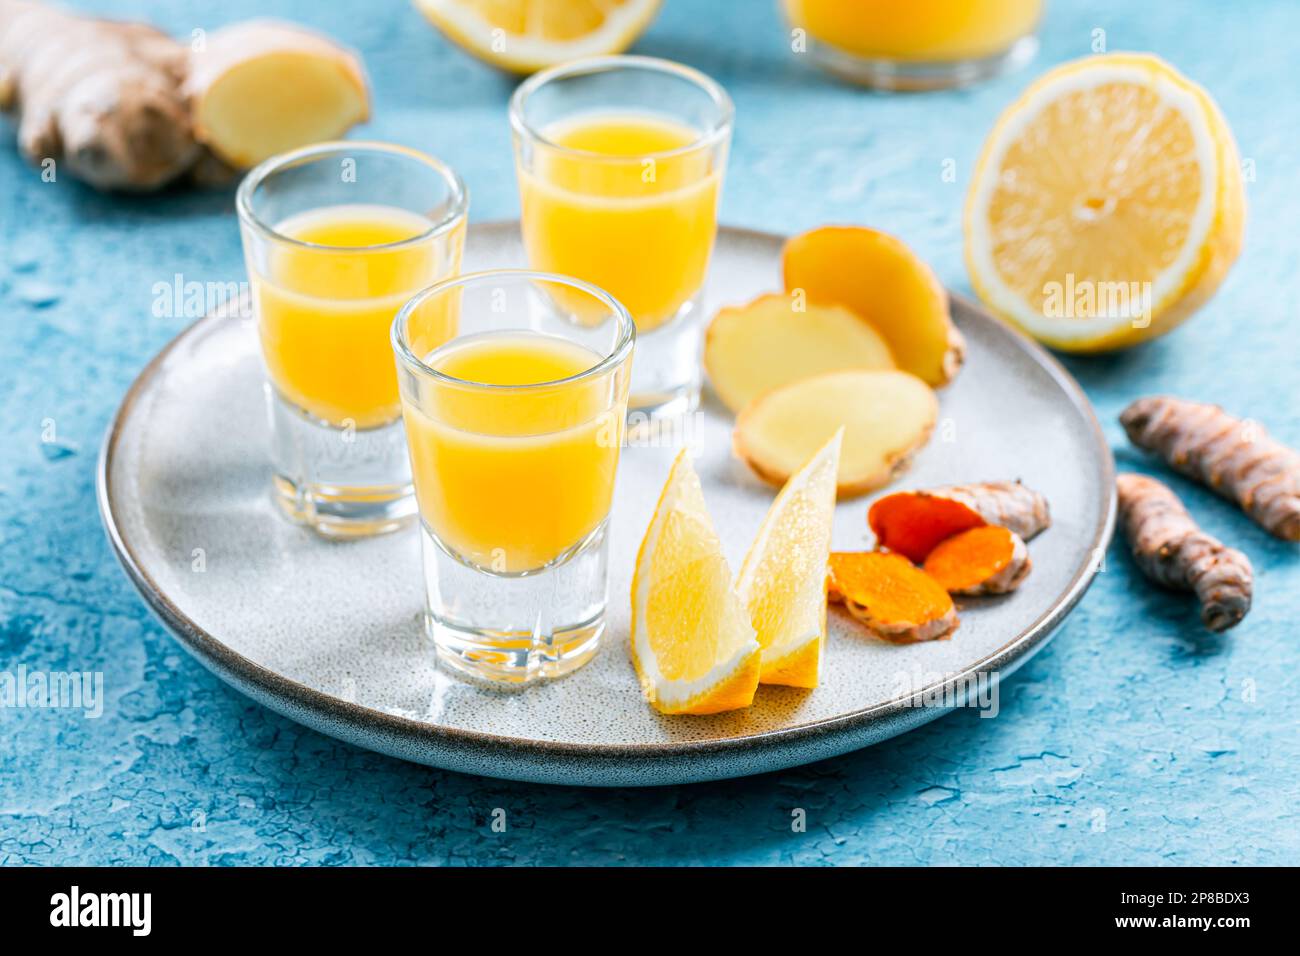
{"x":329,"y":633}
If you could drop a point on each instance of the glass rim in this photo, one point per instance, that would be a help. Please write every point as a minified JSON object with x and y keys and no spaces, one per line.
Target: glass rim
{"x":621,"y":349}
{"x":459,"y":193}
{"x":719,"y":131}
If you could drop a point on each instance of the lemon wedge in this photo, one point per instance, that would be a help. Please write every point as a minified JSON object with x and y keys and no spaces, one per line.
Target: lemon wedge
{"x":524,"y":36}
{"x":782,"y":580}
{"x":692,"y":644}
{"x":1106,"y":206}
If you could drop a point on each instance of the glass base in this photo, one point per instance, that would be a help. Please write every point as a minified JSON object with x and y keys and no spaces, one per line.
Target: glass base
{"x":340,"y":482}
{"x":919,"y":75}
{"x":666,"y":367}
{"x":514,"y":629}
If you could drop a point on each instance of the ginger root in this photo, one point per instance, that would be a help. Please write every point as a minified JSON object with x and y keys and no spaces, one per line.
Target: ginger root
{"x":914,"y":523}
{"x":751,"y":349}
{"x":894,"y":599}
{"x":1171,"y":550}
{"x":886,"y":416}
{"x":263,"y":87}
{"x":123,"y":106}
{"x":985,"y":560}
{"x":884,"y":282}
{"x":1235,"y":458}
{"x":102,"y":99}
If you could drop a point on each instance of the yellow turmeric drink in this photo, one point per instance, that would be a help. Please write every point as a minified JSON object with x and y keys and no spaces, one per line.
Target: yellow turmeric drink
{"x":919,"y":30}
{"x":510,"y":478}
{"x":626,"y":204}
{"x":325,"y":302}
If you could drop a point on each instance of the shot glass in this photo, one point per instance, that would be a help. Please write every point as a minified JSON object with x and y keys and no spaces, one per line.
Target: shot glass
{"x":918,"y":45}
{"x":620,"y":162}
{"x":514,"y":426}
{"x":337,"y":237}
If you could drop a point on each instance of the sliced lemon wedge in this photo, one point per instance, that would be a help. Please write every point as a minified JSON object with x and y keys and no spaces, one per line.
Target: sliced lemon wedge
{"x":692,"y":644}
{"x":782,"y":581}
{"x":524,"y":36}
{"x":1106,"y":206}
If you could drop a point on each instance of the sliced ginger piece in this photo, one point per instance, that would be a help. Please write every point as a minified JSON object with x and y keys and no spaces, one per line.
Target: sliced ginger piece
{"x":693,"y":647}
{"x":877,"y":276}
{"x":896,"y":600}
{"x":263,"y":87}
{"x":913,"y":523}
{"x":774,"y":340}
{"x":886,"y":417}
{"x":782,"y":581}
{"x":985,"y":560}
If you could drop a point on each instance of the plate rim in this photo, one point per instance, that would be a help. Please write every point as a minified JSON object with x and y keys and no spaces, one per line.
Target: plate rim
{"x":225,"y":662}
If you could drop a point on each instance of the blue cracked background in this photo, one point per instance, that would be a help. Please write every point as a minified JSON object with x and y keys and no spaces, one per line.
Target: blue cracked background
{"x":1132,"y":739}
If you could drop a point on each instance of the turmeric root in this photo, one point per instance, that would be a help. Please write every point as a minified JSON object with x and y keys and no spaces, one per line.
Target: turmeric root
{"x":123,"y":106}
{"x":1234,"y":458}
{"x":897,"y":601}
{"x":914,"y":523}
{"x":1171,"y":550}
{"x":985,"y":560}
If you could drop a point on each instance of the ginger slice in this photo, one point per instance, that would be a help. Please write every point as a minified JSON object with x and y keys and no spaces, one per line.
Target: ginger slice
{"x":877,"y":276}
{"x":262,"y":87}
{"x":1235,"y":458}
{"x":985,"y":560}
{"x":1171,"y":550}
{"x":896,"y":600}
{"x":886,"y":417}
{"x":913,"y":523}
{"x":774,"y":340}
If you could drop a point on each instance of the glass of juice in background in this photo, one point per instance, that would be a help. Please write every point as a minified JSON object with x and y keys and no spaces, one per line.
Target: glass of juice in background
{"x":620,"y":162}
{"x":917,"y":44}
{"x":514,"y":427}
{"x":337,"y":237}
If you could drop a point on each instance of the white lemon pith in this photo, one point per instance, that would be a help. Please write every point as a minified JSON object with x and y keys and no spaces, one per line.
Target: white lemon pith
{"x":1106,"y":206}
{"x":693,"y":647}
{"x":524,"y":36}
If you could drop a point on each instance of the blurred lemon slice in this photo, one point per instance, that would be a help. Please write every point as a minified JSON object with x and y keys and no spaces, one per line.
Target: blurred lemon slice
{"x":1106,"y":206}
{"x":524,"y":36}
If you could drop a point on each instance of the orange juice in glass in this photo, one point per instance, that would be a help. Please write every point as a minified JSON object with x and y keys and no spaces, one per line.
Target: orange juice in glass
{"x":620,"y":162}
{"x":337,"y":237}
{"x":514,"y":427}
{"x":917,"y":44}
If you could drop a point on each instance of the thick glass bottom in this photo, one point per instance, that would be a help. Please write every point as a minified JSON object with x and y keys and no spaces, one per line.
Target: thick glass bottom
{"x":514,"y":629}
{"x":917,"y":75}
{"x":340,"y":482}
{"x":666,"y":366}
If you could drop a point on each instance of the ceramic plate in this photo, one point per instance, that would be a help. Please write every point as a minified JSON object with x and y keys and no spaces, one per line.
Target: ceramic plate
{"x":328,"y":633}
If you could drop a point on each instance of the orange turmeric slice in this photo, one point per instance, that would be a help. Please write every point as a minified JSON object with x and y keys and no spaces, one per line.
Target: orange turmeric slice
{"x":913,"y":523}
{"x":896,"y":600}
{"x":984,"y":560}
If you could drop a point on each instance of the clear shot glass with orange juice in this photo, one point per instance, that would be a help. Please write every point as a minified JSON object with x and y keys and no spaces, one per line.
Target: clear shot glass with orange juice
{"x":917,"y":44}
{"x":337,"y":237}
{"x":620,"y":162}
{"x":514,"y":427}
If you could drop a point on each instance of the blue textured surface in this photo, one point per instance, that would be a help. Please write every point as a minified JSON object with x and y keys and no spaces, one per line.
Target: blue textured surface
{"x":1133,"y":739}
